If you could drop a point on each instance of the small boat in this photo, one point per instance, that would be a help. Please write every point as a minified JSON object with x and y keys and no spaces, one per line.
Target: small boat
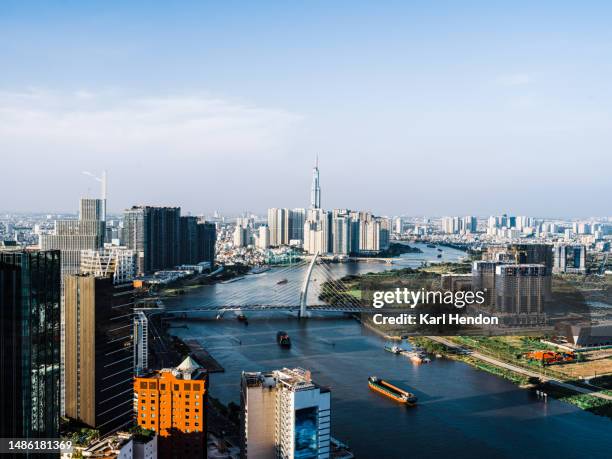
{"x":431,"y":246}
{"x":417,"y":357}
{"x":260,"y":269}
{"x":399,"y":395}
{"x":393,"y":348}
{"x":283,"y":340}
{"x":282,"y":282}
{"x":241,"y":318}
{"x":439,"y":255}
{"x":439,"y":250}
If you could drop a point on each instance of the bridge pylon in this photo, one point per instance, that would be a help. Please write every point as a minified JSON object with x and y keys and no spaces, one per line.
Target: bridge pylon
{"x":304,"y":291}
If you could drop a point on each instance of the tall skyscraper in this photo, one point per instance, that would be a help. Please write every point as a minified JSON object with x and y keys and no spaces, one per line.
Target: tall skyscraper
{"x":315,"y":191}
{"x":30,"y":343}
{"x":71,"y":237}
{"x":154,"y":234}
{"x":99,"y":358}
{"x":173,"y":402}
{"x":206,"y":242}
{"x":284,"y":414}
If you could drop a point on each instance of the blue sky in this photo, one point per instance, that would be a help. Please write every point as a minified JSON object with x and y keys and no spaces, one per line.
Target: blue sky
{"x":413,"y":107}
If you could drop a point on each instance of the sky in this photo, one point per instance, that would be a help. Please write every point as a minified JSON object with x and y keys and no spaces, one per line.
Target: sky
{"x":414,"y":107}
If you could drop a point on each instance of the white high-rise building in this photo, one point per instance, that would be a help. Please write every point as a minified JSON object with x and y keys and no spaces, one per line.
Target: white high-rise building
{"x":284,"y":415}
{"x":399,"y":224}
{"x":241,"y":236}
{"x":317,"y":231}
{"x":263,"y":241}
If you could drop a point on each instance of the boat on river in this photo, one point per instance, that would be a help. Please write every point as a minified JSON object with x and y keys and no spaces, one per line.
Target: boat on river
{"x":399,"y":395}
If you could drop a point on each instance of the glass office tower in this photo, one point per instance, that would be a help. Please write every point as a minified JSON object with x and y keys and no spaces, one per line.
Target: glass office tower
{"x":30,"y":343}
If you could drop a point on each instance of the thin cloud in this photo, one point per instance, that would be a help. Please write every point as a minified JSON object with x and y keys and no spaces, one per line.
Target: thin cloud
{"x":34,"y":121}
{"x":516,"y":79}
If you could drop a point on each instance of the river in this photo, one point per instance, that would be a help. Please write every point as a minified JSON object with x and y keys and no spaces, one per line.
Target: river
{"x":462,"y":412}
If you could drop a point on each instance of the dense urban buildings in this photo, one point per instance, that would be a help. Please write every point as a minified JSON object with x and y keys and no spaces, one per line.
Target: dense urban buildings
{"x":284,"y":414}
{"x":173,"y":403}
{"x":30,"y":343}
{"x":162,"y":239}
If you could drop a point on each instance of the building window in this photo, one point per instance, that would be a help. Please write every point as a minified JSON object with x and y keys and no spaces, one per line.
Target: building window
{"x":187,"y":386}
{"x":196,"y":387}
{"x":176,"y":387}
{"x":162,"y":387}
{"x":152,"y":385}
{"x":143,"y":385}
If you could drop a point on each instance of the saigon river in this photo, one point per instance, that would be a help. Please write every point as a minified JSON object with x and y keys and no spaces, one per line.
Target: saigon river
{"x":462,"y":412}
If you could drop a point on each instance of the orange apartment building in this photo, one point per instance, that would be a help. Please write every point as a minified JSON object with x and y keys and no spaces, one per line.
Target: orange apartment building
{"x":172,"y":402}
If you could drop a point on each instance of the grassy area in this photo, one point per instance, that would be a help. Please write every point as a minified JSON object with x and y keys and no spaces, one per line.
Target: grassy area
{"x":586,"y":402}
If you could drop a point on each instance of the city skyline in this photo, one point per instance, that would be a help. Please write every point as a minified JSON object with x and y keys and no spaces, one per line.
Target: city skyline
{"x":436,"y":110}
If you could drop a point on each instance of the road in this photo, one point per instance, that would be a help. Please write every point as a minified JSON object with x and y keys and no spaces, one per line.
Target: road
{"x":520,"y":370}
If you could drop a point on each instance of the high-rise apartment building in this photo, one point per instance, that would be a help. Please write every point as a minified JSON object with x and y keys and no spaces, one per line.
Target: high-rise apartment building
{"x":520,"y":288}
{"x":277,"y":223}
{"x":341,"y":232}
{"x":317,"y":232}
{"x":206,"y":242}
{"x":99,"y":357}
{"x":569,"y":258}
{"x":263,"y":240}
{"x":296,"y":225}
{"x":188,"y":240}
{"x":172,"y":402}
{"x":284,"y":415}
{"x":456,"y":225}
{"x":154,"y":234}
{"x":30,"y":343}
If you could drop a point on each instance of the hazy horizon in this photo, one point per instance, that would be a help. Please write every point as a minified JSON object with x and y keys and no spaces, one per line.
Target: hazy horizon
{"x":413,"y":109}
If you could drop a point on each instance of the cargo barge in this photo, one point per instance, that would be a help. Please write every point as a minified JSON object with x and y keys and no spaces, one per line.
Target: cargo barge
{"x":391,"y":391}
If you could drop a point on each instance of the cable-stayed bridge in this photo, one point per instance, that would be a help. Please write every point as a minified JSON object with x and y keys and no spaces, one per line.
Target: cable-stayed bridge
{"x":313,"y":284}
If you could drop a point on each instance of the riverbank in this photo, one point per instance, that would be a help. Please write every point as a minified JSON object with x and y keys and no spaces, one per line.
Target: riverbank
{"x":585,"y":399}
